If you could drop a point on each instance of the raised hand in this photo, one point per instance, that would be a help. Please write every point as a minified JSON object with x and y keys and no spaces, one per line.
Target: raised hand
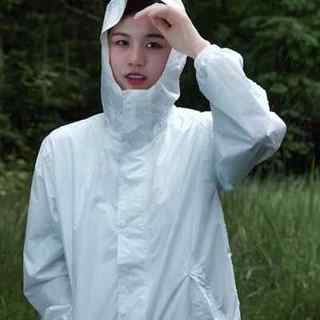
{"x":176,"y":26}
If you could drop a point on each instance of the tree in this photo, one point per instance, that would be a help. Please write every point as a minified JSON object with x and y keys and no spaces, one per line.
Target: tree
{"x":50,"y":66}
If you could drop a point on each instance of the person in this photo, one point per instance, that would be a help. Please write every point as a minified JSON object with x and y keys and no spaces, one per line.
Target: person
{"x":124,"y":220}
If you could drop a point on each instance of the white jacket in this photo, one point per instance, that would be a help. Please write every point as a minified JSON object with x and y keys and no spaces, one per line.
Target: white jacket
{"x":125,"y":220}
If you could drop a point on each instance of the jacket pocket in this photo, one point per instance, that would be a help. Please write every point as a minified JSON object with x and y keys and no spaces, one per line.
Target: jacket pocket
{"x":203,"y":304}
{"x":58,"y":312}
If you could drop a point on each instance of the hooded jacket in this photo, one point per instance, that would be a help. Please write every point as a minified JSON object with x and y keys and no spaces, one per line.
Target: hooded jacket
{"x":124,"y":220}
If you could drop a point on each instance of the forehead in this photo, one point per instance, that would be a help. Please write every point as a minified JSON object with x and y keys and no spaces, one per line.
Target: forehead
{"x":131,"y":26}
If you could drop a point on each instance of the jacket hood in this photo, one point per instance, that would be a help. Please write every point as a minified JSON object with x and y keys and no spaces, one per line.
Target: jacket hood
{"x":137,"y":115}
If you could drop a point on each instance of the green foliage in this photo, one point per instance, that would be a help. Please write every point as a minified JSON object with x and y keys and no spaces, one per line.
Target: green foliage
{"x":276,"y":247}
{"x":50,"y":65}
{"x":273,"y":227}
{"x":14,"y":176}
{"x":286,"y":39}
{"x":13,"y":212}
{"x":46,"y":77}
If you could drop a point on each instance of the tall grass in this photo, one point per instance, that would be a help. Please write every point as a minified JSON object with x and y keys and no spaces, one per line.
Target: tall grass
{"x":275,"y":239}
{"x":274,"y":233}
{"x":13,"y":210}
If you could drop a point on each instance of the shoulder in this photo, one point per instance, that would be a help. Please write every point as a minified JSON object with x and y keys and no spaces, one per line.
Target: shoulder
{"x":78,"y":129}
{"x":75,"y":132}
{"x":76,"y":136}
{"x":71,"y":145}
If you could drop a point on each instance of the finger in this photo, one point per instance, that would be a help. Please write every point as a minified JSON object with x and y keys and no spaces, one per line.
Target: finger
{"x":161,"y":24}
{"x":159,"y":10}
{"x":147,"y":10}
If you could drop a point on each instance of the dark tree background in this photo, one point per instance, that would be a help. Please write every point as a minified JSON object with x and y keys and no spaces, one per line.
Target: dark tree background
{"x":50,"y":68}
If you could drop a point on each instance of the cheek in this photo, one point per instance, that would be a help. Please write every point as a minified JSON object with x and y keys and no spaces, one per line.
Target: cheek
{"x":116,"y":63}
{"x":116,"y":60}
{"x":160,"y":62}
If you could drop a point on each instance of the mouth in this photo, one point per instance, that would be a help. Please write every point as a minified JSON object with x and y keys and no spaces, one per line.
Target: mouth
{"x":136,"y":79}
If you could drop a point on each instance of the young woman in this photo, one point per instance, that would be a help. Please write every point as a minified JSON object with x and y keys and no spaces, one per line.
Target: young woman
{"x":125,"y":219}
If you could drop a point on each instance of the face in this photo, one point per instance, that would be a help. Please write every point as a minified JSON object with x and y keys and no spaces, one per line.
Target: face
{"x":138,"y":53}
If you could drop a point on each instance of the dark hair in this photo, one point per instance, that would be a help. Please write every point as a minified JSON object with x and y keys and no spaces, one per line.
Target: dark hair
{"x":134,"y":6}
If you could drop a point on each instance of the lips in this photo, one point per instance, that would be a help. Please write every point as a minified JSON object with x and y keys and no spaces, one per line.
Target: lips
{"x":136,"y":76}
{"x":136,"y":79}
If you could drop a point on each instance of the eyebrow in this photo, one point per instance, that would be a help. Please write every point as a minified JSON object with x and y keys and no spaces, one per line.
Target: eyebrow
{"x":149,"y":35}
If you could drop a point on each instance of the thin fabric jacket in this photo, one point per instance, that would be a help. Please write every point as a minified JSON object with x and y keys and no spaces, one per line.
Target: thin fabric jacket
{"x":125,"y":220}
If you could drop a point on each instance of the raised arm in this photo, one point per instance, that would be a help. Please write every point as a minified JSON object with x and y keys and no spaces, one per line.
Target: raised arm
{"x":46,"y":281}
{"x":244,"y":130}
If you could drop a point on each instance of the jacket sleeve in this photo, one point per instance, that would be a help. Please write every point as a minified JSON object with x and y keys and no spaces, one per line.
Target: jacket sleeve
{"x":244,"y":130}
{"x":46,"y":281}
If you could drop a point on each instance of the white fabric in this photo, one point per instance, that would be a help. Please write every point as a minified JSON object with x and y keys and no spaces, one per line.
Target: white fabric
{"x":125,"y":219}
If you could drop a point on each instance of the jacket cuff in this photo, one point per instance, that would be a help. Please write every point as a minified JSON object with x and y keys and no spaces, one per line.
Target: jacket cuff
{"x":214,"y":53}
{"x":199,"y":60}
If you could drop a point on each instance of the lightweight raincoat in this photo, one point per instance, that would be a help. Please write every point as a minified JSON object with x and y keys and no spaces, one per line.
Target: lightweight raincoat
{"x":125,"y":219}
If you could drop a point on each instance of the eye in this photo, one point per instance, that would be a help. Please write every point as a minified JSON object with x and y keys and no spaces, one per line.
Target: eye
{"x":121,"y":43}
{"x":154,"y":45}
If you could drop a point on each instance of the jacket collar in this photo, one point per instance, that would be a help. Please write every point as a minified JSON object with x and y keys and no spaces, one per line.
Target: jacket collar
{"x":137,"y":116}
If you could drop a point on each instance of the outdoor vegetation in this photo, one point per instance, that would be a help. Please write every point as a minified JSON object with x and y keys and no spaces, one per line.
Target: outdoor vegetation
{"x":273,"y":227}
{"x":49,"y":76}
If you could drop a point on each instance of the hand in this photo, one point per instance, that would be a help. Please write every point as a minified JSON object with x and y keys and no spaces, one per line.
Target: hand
{"x":175,"y":25}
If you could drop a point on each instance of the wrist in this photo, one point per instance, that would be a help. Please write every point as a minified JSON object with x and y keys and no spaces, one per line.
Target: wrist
{"x":199,"y":46}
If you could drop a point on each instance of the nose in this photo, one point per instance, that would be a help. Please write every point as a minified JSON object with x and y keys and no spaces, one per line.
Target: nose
{"x":137,"y":56}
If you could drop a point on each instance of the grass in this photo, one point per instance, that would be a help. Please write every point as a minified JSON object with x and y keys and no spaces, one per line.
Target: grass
{"x":13,"y":306}
{"x":273,"y":227}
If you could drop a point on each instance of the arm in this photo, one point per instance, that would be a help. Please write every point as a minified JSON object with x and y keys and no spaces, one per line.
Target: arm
{"x":46,"y":281}
{"x":245,"y":131}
